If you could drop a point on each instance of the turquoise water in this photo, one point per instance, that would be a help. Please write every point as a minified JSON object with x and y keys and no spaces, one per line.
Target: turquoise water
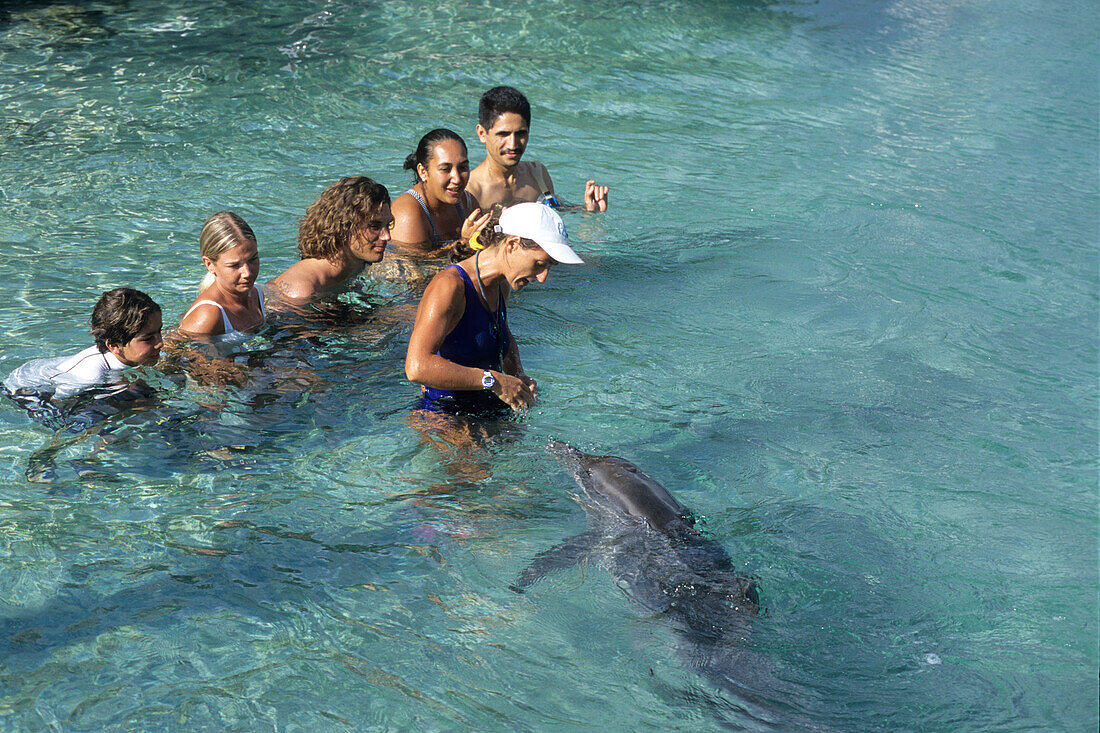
{"x":844,"y":306}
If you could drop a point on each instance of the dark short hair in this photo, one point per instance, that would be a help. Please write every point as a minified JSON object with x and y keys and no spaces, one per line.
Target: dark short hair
{"x":499,"y":100}
{"x":120,"y":315}
{"x":426,"y":146}
{"x":339,"y":212}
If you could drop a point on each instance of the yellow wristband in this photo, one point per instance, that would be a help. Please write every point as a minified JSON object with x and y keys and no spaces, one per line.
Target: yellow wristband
{"x":474,"y":244}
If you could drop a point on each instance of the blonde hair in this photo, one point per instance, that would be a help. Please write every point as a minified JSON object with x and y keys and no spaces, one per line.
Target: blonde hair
{"x":220,"y":233}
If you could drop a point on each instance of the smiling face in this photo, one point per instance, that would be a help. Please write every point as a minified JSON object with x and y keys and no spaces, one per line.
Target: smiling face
{"x":506,"y":139}
{"x":143,"y":349}
{"x":524,"y":266}
{"x":368,"y":243}
{"x":447,"y":171}
{"x":237,"y":268}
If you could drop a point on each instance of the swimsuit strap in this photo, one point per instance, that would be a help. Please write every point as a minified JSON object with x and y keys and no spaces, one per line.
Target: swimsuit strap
{"x":476,"y":289}
{"x":226,"y":324}
{"x":225,"y":318}
{"x":465,"y":277}
{"x":542,"y":177}
{"x":424,"y":205}
{"x":461,"y":211}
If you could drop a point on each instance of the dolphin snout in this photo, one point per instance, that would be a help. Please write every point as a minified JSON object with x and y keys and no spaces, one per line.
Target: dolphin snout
{"x":562,"y":450}
{"x":566,"y":454}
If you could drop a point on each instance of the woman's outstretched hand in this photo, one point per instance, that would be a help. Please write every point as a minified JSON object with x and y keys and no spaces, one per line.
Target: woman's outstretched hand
{"x":474,"y":223}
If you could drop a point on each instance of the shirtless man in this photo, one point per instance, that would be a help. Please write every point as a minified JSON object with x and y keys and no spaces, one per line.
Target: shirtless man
{"x":504,"y":119}
{"x":345,"y":229}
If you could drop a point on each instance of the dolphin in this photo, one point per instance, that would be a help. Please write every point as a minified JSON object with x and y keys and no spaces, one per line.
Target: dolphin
{"x":629,"y":511}
{"x":648,"y":541}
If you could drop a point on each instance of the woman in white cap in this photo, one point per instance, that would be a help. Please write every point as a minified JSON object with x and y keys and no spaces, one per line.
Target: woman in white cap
{"x":461,"y":351}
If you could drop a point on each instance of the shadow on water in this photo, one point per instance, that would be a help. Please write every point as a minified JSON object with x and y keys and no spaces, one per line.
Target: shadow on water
{"x":269,"y":568}
{"x":67,"y":21}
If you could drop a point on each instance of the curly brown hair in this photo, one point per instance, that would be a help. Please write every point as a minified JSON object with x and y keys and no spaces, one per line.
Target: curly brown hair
{"x":337,"y":214}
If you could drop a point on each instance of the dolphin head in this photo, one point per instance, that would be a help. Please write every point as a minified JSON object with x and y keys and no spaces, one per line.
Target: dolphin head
{"x":570,"y":458}
{"x":618,"y":483}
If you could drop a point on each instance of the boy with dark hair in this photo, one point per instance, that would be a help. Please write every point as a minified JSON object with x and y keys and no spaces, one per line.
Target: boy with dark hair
{"x":504,"y":121}
{"x":126,"y":325}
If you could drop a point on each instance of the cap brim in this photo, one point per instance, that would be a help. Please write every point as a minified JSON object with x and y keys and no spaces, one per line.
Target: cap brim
{"x":562,"y":253}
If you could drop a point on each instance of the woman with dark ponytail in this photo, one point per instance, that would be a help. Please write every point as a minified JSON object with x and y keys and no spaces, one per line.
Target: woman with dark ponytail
{"x":436,"y":214}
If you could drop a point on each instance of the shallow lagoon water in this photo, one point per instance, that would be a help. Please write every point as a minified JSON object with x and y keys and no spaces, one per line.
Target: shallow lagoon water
{"x":844,"y":306}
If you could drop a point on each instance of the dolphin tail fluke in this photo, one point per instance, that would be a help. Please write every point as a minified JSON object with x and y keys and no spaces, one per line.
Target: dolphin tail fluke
{"x":561,"y":556}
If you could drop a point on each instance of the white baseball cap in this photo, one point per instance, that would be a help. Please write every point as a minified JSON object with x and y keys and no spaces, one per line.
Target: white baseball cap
{"x":542,"y":225}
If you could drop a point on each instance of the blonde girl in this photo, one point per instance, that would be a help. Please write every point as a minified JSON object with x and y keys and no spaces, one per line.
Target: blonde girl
{"x":229,"y":301}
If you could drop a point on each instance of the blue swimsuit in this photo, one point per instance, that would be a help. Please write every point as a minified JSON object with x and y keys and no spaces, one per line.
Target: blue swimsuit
{"x":473,"y":343}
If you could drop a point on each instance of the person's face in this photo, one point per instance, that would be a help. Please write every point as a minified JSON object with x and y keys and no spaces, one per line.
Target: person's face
{"x":143,"y":349}
{"x":237,"y":268}
{"x":447,"y":172}
{"x":526,"y":265}
{"x":506,"y":139}
{"x":369,"y":242}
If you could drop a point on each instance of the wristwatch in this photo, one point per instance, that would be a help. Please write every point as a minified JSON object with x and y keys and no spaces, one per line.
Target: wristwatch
{"x":488,"y":380}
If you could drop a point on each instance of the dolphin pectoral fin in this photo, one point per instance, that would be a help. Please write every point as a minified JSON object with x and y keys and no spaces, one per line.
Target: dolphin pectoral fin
{"x":561,"y":556}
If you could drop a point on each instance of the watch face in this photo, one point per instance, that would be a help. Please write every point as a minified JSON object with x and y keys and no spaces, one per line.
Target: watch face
{"x":488,"y":380}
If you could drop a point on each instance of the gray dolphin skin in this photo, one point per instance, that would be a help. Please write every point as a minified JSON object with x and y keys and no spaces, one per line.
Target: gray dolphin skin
{"x":646,"y":539}
{"x":636,"y":523}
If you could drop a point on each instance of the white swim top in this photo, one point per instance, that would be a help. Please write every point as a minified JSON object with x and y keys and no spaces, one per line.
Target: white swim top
{"x":229,"y":330}
{"x":68,"y":375}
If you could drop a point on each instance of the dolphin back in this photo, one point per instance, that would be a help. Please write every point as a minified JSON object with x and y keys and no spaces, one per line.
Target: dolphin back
{"x":634,"y":492}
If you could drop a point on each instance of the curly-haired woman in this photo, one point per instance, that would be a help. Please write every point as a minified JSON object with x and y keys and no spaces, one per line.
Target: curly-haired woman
{"x":344,"y":230}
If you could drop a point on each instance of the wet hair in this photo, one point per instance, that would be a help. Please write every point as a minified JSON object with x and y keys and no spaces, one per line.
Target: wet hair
{"x":339,"y":212}
{"x":120,"y":315}
{"x":489,"y":237}
{"x":425,"y":148}
{"x":499,"y":100}
{"x":220,"y":233}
